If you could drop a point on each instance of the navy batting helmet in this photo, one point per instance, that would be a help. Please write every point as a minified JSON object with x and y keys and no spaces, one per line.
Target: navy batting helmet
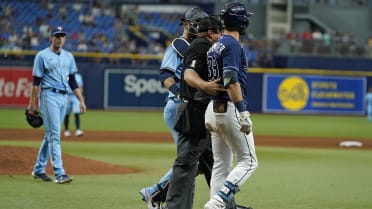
{"x":235,"y":17}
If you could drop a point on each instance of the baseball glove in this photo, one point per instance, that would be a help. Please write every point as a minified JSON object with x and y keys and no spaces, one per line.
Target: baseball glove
{"x":34,"y":119}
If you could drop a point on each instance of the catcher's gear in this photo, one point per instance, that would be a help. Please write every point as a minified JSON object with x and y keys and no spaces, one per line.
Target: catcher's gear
{"x":34,"y":119}
{"x":193,"y":15}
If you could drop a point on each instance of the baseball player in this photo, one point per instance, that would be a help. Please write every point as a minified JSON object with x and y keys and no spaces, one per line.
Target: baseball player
{"x":73,"y":106}
{"x":227,"y":116}
{"x":170,"y":75}
{"x":369,"y":104}
{"x":53,"y":73}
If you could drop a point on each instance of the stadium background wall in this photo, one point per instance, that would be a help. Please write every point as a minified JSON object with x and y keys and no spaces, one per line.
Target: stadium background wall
{"x":139,"y":89}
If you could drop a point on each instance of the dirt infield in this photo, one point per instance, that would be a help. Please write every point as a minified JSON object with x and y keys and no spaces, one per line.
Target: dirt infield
{"x":19,"y":160}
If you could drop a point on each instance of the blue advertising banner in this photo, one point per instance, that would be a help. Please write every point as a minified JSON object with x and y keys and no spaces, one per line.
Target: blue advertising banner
{"x":313,"y":94}
{"x":126,"y":88}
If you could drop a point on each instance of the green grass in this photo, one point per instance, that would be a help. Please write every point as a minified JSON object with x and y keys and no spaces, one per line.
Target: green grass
{"x":264,"y":124}
{"x":312,"y":125}
{"x":97,"y":120}
{"x":287,"y":178}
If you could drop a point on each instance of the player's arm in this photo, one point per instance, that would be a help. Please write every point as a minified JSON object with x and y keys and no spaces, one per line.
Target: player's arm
{"x":37,"y":74}
{"x":193,"y":79}
{"x":168,"y":67}
{"x":235,"y":92}
{"x":167,"y":80}
{"x":232,"y":84}
{"x":78,"y":92}
{"x":34,"y":92}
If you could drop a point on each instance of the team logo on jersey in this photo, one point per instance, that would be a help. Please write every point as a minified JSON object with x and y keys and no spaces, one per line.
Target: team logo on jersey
{"x":293,"y":93}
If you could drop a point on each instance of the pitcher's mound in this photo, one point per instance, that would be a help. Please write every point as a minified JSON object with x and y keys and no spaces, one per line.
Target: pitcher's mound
{"x":20,"y":161}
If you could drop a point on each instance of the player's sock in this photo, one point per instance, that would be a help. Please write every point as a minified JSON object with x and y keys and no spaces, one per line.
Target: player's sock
{"x":66,"y":122}
{"x":228,"y":191}
{"x":77,"y":121}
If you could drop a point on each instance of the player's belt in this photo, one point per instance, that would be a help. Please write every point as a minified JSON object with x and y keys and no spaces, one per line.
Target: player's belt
{"x":58,"y":91}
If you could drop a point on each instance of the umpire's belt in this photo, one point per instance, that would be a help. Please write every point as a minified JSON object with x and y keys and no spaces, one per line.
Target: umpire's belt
{"x":58,"y":91}
{"x":220,"y":106}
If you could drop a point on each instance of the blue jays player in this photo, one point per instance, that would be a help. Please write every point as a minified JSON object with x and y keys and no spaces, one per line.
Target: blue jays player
{"x":73,"y":106}
{"x":53,"y":73}
{"x":227,"y":116}
{"x":369,"y":104}
{"x":170,"y":75}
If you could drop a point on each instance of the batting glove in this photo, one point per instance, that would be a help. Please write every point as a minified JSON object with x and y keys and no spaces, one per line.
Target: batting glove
{"x":245,"y":122}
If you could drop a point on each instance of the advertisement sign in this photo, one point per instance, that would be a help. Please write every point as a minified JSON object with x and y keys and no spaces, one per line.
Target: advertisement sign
{"x":15,"y":85}
{"x":126,"y":88}
{"x":313,"y":94}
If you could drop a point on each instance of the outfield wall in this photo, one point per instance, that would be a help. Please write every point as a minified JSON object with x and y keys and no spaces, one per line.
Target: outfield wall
{"x":284,"y":90}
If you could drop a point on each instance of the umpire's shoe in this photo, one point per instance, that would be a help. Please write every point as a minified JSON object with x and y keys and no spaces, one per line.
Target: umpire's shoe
{"x":41,"y":176}
{"x":63,"y":179}
{"x":242,"y":207}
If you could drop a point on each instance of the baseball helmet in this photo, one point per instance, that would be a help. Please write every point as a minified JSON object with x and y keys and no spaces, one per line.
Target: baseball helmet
{"x":193,"y":15}
{"x":235,"y":17}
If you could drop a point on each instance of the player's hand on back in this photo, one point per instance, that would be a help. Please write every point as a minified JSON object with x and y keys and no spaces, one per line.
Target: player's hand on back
{"x":213,"y":87}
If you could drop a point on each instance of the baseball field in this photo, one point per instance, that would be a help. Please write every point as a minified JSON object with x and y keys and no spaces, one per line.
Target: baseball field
{"x":301,"y":165}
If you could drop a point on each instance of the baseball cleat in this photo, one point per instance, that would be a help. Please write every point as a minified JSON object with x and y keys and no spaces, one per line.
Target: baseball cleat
{"x":41,"y":176}
{"x":146,"y":197}
{"x":67,"y":133}
{"x":215,"y":203}
{"x":63,"y":179}
{"x":79,"y":133}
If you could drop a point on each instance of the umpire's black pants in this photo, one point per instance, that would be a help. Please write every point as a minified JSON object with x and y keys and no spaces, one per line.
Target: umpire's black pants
{"x":190,"y":151}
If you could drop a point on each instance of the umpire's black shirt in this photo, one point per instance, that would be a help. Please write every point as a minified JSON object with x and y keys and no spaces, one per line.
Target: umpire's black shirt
{"x":196,"y":59}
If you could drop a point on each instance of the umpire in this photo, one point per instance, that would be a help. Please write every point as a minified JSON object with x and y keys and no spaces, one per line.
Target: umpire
{"x":194,"y":143}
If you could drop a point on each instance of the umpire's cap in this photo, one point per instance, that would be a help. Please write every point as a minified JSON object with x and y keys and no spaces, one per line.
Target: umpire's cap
{"x":58,"y":31}
{"x":210,"y":23}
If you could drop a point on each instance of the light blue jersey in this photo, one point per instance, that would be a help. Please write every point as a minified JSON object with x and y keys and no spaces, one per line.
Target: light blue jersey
{"x":53,"y":69}
{"x":172,"y":61}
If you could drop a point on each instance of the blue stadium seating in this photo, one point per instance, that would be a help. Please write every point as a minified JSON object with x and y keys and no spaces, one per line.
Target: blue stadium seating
{"x":26,"y":13}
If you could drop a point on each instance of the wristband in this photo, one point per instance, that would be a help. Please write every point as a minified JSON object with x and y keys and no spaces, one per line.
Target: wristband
{"x":241,"y":106}
{"x":174,"y":89}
